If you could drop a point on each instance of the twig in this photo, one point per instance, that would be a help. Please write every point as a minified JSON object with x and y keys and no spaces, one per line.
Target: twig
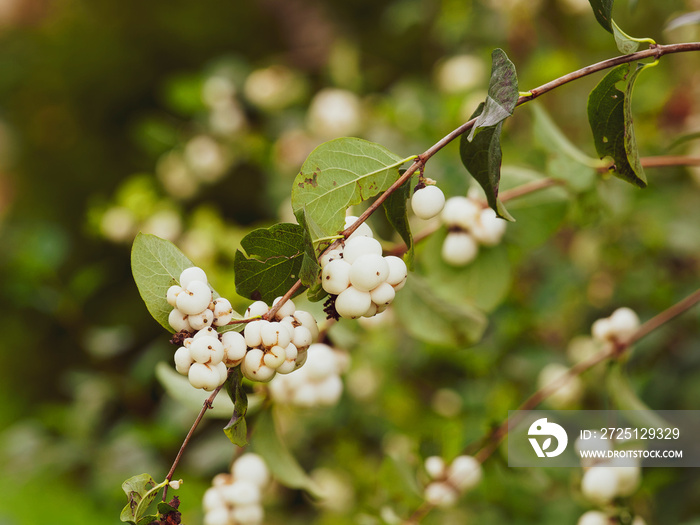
{"x":543,"y":393}
{"x":663,"y":162}
{"x":206,"y":406}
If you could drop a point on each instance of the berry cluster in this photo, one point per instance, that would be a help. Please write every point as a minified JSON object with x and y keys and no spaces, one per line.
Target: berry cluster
{"x":276,"y":346}
{"x":427,"y":201}
{"x":617,"y":329}
{"x":264,"y":348}
{"x":469,"y":225}
{"x":448,"y":482}
{"x":317,"y":384}
{"x":193,"y":305}
{"x":235,"y":498}
{"x":360,"y":280}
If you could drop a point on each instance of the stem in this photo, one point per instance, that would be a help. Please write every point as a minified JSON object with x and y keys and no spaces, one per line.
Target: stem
{"x":206,"y":406}
{"x":540,"y":395}
{"x":663,"y":162}
{"x":271,"y":313}
{"x":530,"y":187}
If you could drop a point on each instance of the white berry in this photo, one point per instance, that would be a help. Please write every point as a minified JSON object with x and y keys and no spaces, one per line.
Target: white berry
{"x":368,"y":271}
{"x":256,"y":309}
{"x":593,"y":517}
{"x":363,"y":230}
{"x":241,"y":492}
{"x":223,"y":312}
{"x":440,"y":494}
{"x":459,"y":249}
{"x":461,"y":212}
{"x":183,"y":360}
{"x":427,"y":202}
{"x":247,"y":514}
{"x":308,"y":321}
{"x":195,"y":298}
{"x":329,"y":256}
{"x":251,"y":467}
{"x":172,"y":294}
{"x":352,"y":303}
{"x":397,"y":270}
{"x":274,"y":357}
{"x":358,"y":246}
{"x":207,"y":350}
{"x":600,"y":484}
{"x":383,"y":294}
{"x":335,"y":276}
{"x":489,"y":229}
{"x":301,"y":337}
{"x":192,"y":274}
{"x":178,"y":321}
{"x":213,"y":499}
{"x":201,"y":320}
{"x":253,"y":333}
{"x":217,"y":516}
{"x":464,"y":472}
{"x":203,"y":376}
{"x":435,"y":467}
{"x":286,"y":309}
{"x":624,"y":322}
{"x":234,"y":347}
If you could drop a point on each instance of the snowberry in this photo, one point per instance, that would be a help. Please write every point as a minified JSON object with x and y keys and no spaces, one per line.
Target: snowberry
{"x":253,"y":333}
{"x":329,"y":390}
{"x":440,"y":494}
{"x":308,"y":321}
{"x":251,"y":467}
{"x":329,"y":256}
{"x":183,"y":360}
{"x":274,"y":357}
{"x":602,"y":329}
{"x":383,"y":294}
{"x":223,"y":312}
{"x":207,"y":350}
{"x":234,"y":347}
{"x":335,"y":276}
{"x":593,"y":517}
{"x":247,"y":514}
{"x":464,"y":472}
{"x":628,"y":475}
{"x":286,"y":309}
{"x":459,"y":248}
{"x":241,"y":492}
{"x":213,"y":499}
{"x":201,"y":320}
{"x":274,"y":334}
{"x":256,"y":309}
{"x":301,"y":336}
{"x":203,"y":376}
{"x":363,"y":230}
{"x":600,"y":484}
{"x":352,"y":303}
{"x":178,"y":321}
{"x":368,"y":271}
{"x":254,"y":368}
{"x":322,"y":362}
{"x":217,"y":516}
{"x":461,"y":212}
{"x":192,"y":274}
{"x":427,"y":202}
{"x":172,"y":294}
{"x":435,"y":467}
{"x":359,"y":246}
{"x":194,"y":298}
{"x":397,"y":270}
{"x":567,"y":393}
{"x":489,"y":229}
{"x":207,"y":331}
{"x":624,"y":323}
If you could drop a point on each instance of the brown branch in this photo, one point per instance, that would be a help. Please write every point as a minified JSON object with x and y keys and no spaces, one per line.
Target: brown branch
{"x":206,"y":406}
{"x":530,"y":187}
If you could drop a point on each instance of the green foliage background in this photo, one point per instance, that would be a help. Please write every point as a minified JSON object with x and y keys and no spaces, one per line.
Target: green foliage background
{"x":97,"y":97}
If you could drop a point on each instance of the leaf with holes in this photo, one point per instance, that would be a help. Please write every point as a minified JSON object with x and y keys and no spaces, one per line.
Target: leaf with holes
{"x":610,"y":117}
{"x":338,"y":174}
{"x":271,"y":262}
{"x":141,"y":490}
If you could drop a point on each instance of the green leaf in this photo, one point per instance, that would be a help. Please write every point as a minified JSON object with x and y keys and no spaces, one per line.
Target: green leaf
{"x":271,"y":446}
{"x":309,"y":267}
{"x":502,"y":94}
{"x":483,"y":283}
{"x":482,"y":158}
{"x":602,"y":9}
{"x":140,"y":490}
{"x":396,"y":209}
{"x":236,"y":429}
{"x":165,"y":508}
{"x":271,"y":263}
{"x":338,"y":174}
{"x":429,"y":317}
{"x":156,"y":265}
{"x":610,"y":117}
{"x":625,"y":43}
{"x":316,"y":293}
{"x":179,"y":388}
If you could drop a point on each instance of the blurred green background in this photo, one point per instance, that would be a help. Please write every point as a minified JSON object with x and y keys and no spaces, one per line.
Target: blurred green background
{"x":191,"y":119}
